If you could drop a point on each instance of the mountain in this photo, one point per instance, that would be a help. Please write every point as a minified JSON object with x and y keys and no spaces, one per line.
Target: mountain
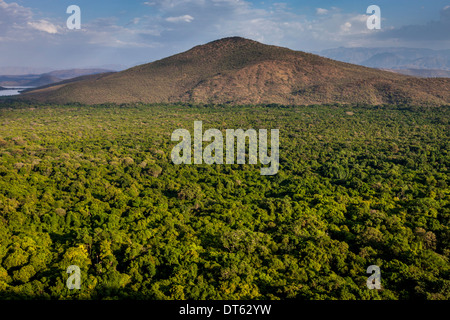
{"x":241,"y":71}
{"x":73,"y":73}
{"x":425,"y":73}
{"x":18,"y":71}
{"x":43,"y":80}
{"x":59,"y":84}
{"x":19,"y":81}
{"x":37,"y":80}
{"x":385,"y":59}
{"x":391,"y":57}
{"x":431,"y":62}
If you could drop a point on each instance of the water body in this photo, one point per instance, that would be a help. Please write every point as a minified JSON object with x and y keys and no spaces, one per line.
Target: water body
{"x":12,"y":91}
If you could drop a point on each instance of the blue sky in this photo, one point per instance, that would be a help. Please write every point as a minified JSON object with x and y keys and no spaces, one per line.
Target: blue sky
{"x":33,"y":32}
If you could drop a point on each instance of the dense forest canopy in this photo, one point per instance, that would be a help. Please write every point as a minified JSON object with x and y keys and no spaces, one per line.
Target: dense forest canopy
{"x":94,"y":186}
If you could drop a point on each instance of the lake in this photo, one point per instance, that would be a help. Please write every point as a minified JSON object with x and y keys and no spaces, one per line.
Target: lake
{"x":12,"y":91}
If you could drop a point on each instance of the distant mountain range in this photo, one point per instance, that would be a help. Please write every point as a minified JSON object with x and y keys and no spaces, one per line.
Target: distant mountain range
{"x":18,"y":71}
{"x":424,"y":73}
{"x":37,"y":80}
{"x":240,"y":71}
{"x":417,"y":62}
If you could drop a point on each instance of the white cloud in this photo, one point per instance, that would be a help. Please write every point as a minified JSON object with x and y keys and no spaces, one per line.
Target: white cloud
{"x":105,"y":32}
{"x":166,"y":27}
{"x":185,"y":18}
{"x":14,"y":10}
{"x":171,"y":4}
{"x":431,"y":33}
{"x":445,"y":14}
{"x":12,"y":18}
{"x":359,"y":18}
{"x":170,"y":26}
{"x":321,"y":11}
{"x":43,"y":25}
{"x":346,"y":26}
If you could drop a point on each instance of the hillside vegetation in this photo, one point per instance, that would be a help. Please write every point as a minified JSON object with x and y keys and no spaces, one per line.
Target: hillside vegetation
{"x":241,"y":71}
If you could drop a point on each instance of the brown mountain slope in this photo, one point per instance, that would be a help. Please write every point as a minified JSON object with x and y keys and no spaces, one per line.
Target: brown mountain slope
{"x":240,"y":71}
